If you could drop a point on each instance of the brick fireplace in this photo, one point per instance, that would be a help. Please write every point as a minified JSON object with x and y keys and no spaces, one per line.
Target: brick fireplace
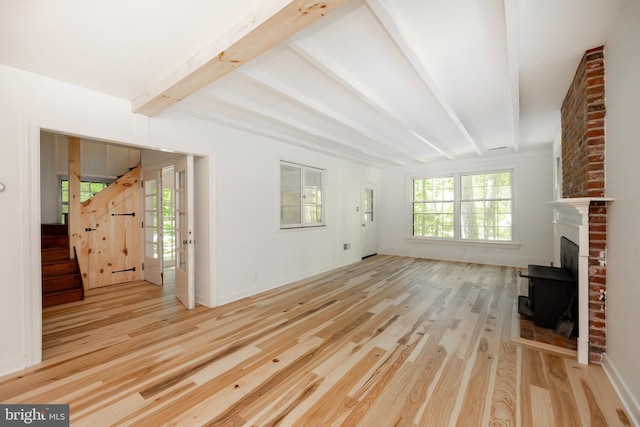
{"x":583,"y":116}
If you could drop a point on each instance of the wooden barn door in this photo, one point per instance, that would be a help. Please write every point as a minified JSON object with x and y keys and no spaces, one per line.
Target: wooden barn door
{"x":111,"y":231}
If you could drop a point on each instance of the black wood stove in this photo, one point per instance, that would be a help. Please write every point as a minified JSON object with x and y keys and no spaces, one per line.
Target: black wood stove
{"x":553,"y":290}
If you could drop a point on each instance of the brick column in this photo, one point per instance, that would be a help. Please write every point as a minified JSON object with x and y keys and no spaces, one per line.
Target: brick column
{"x":583,"y":148}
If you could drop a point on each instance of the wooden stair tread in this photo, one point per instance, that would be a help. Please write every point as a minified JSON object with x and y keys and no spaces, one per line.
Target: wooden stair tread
{"x":54,"y":229}
{"x":61,"y":290}
{"x":60,"y":241}
{"x":58,"y":261}
{"x":62,"y":297}
{"x":54,"y":254}
{"x":62,"y":276}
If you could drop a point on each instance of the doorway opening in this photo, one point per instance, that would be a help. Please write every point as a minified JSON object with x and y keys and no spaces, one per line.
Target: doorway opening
{"x":160,"y":225}
{"x":368,"y":217}
{"x":45,"y":183}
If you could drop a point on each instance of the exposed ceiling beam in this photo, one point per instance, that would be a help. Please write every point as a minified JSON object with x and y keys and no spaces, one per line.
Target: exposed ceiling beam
{"x":207,"y":102}
{"x":512,"y":25}
{"x":313,"y":105}
{"x":301,"y":126}
{"x":255,"y":33}
{"x":389,"y":24}
{"x":333,"y":70}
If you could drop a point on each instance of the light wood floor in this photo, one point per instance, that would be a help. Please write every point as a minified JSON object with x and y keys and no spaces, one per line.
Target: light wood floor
{"x":387,"y":341}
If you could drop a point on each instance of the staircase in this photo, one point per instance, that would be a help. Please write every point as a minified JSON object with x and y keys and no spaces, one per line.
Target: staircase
{"x":61,"y":280}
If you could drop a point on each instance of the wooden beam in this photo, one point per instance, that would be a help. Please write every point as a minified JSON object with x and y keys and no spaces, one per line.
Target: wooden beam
{"x":200,"y":105}
{"x":75,"y":225}
{"x":256,"y":33}
{"x":317,"y":107}
{"x":512,"y":26}
{"x":389,"y":24}
{"x":302,"y":126}
{"x":366,"y":94}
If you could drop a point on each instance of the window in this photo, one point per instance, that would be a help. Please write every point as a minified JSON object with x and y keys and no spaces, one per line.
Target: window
{"x":433,"y":207}
{"x":168,"y":226}
{"x":485,"y":206}
{"x":301,"y":196}
{"x":88,"y":189}
{"x":464,"y":206}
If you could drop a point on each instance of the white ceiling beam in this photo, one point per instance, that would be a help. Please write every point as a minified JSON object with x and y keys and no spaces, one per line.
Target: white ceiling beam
{"x":512,"y":24}
{"x":389,"y":24}
{"x":203,"y":113}
{"x":258,"y":31}
{"x":302,"y":127}
{"x":337,"y":73}
{"x":313,"y":105}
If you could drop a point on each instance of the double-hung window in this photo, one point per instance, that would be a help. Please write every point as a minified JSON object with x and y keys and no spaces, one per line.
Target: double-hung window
{"x":89,"y":187}
{"x":301,"y":196}
{"x":433,"y":207}
{"x":486,"y":206}
{"x":473,"y":206}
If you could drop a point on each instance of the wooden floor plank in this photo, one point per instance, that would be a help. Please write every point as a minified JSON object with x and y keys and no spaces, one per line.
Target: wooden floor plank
{"x":477,"y":398}
{"x":565,"y":408}
{"x":541,"y":407}
{"x":386,"y":341}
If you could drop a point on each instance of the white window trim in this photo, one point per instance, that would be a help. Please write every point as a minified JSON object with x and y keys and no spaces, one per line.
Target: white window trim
{"x":302,"y":225}
{"x":61,"y":177}
{"x":411,"y":201}
{"x":457,"y":239}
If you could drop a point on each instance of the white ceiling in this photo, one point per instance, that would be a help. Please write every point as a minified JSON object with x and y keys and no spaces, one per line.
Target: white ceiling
{"x":380,"y":82}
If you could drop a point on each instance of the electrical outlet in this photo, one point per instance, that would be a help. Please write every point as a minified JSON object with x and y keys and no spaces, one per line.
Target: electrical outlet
{"x":346,"y":246}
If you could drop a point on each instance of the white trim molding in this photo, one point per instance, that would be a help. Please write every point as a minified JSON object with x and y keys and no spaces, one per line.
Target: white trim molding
{"x":631,"y":405}
{"x":31,"y":245}
{"x":579,"y":205}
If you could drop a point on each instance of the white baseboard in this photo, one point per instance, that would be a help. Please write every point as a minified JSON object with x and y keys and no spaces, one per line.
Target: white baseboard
{"x":10,"y":366}
{"x":628,"y":400}
{"x":450,"y":252}
{"x":276,"y":284}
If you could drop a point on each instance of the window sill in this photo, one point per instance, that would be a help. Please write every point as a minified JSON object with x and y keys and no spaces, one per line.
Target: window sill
{"x":472,"y":243}
{"x":310,"y":227}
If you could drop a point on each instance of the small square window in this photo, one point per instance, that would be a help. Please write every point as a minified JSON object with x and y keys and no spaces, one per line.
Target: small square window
{"x":301,"y":196}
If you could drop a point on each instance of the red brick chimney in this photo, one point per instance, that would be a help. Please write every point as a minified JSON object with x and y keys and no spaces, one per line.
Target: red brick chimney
{"x":583,"y":175}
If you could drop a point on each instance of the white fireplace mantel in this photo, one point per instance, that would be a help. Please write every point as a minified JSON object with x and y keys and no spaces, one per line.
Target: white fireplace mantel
{"x":580,"y":206}
{"x":578,"y":203}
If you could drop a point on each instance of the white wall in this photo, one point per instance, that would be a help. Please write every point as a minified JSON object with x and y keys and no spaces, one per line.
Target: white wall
{"x":98,"y":160}
{"x":622,"y":58}
{"x":253,"y":253}
{"x":245,"y":248}
{"x":533,"y":181}
{"x":48,"y":179}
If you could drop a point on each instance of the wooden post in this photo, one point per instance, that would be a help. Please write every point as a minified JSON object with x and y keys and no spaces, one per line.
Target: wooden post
{"x":75,"y":232}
